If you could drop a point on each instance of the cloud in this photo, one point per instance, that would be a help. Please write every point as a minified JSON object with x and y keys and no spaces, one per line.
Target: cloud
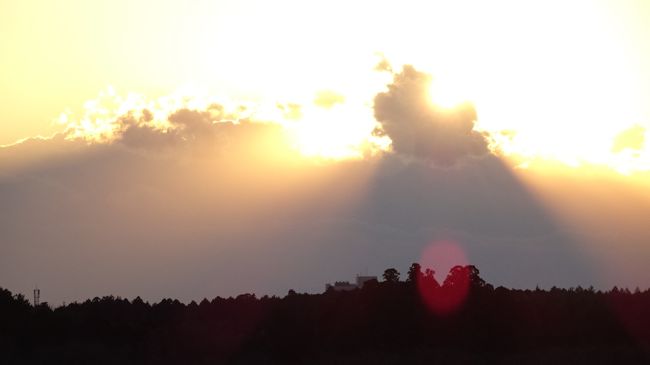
{"x":290,"y":111}
{"x":105,"y":218}
{"x":184,"y":126}
{"x":383,"y":65}
{"x":201,"y":200}
{"x":418,"y":128}
{"x":327,"y":99}
{"x":175,"y":124}
{"x":632,"y":138}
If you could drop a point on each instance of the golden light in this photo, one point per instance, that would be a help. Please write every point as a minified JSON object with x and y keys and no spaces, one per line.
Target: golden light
{"x":341,"y":132}
{"x":447,"y":93}
{"x":318,"y":139}
{"x":565,"y":77}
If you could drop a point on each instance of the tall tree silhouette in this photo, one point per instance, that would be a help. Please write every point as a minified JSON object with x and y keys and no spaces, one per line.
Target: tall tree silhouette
{"x":391,"y":275}
{"x":414,"y":273}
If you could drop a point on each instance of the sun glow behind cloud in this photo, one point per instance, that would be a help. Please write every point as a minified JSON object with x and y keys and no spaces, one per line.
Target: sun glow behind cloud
{"x":448,"y":93}
{"x":554,"y":84}
{"x":335,"y":134}
{"x":344,"y":130}
{"x":341,"y":131}
{"x":551,"y":80}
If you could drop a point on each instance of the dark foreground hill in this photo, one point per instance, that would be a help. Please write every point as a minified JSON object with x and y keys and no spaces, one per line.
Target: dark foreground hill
{"x":416,"y":321}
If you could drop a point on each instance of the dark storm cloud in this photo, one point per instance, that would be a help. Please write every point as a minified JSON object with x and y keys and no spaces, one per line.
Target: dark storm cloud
{"x":418,"y":128}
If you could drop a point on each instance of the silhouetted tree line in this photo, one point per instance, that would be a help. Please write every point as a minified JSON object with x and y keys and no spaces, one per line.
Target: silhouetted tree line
{"x":391,"y":321}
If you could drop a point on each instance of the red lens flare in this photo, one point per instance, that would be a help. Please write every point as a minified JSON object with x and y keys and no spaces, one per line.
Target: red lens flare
{"x":446,"y":297}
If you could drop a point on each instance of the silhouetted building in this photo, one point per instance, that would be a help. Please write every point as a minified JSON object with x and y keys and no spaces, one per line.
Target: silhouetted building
{"x":346,"y":285}
{"x":341,"y":286}
{"x":361,"y":280}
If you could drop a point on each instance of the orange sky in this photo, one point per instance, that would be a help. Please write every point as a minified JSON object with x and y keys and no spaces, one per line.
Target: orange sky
{"x":174,"y":114}
{"x":548,"y":71}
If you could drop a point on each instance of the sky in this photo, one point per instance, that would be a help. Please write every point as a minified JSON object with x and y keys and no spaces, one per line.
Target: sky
{"x":190,"y":149}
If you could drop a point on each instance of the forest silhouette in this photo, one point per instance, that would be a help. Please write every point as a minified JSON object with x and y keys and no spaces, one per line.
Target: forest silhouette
{"x":392,"y":321}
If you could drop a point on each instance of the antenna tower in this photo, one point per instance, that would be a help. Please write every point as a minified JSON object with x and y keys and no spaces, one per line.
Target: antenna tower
{"x":37,"y":297}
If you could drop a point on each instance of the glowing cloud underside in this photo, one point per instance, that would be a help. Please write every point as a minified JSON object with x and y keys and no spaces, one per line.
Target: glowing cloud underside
{"x":415,"y":113}
{"x":338,"y":131}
